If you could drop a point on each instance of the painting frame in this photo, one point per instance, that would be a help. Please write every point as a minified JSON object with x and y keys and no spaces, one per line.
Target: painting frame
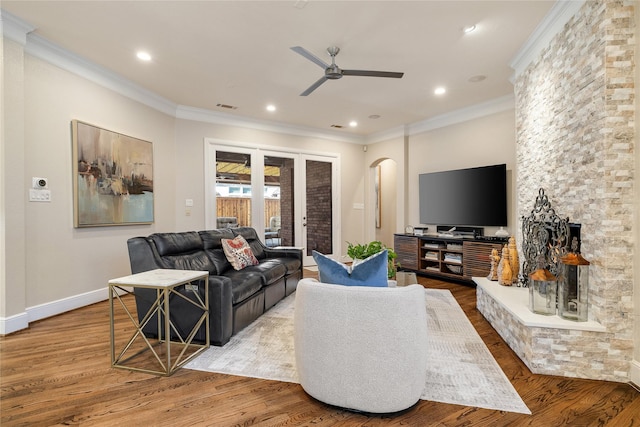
{"x":112,"y":178}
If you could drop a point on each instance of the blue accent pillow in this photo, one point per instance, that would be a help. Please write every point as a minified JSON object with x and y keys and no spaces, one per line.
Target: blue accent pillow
{"x":369,"y":272}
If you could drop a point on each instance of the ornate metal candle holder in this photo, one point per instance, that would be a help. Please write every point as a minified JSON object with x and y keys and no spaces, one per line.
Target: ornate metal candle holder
{"x":544,"y":236}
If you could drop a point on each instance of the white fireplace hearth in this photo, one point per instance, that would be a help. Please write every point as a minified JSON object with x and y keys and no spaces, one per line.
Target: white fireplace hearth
{"x":548,"y":345}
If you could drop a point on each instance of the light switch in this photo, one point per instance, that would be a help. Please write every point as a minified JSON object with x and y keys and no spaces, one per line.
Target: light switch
{"x":39,"y":195}
{"x":188,"y":203}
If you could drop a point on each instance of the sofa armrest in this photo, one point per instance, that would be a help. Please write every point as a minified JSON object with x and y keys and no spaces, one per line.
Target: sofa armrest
{"x":142,"y":256}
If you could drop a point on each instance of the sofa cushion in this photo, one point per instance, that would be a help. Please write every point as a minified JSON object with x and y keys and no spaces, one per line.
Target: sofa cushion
{"x":177,"y":243}
{"x":212,"y":239}
{"x":198,"y":261}
{"x":369,"y":272}
{"x":270,"y":270}
{"x":244,"y":284}
{"x":291,"y":264}
{"x":238,"y":252}
{"x":219,"y":260}
{"x":251,"y":236}
{"x":182,"y":251}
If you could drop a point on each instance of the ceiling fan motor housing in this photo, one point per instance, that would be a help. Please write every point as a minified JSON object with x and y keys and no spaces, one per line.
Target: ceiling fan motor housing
{"x":333,"y":72}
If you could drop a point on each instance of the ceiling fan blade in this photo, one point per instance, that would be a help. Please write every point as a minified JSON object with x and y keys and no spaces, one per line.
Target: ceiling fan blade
{"x":368,"y":73}
{"x":310,"y":56}
{"x":314,"y":86}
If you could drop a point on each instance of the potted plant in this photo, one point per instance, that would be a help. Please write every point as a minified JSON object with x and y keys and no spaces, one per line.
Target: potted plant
{"x":364,"y":251}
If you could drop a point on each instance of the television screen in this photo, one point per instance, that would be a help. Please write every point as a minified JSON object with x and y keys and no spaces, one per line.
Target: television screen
{"x":471,"y":197}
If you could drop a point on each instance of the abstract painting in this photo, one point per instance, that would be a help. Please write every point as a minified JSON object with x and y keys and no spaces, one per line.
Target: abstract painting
{"x":112,"y":177}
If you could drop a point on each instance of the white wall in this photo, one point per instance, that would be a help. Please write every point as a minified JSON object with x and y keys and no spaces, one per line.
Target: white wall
{"x":63,"y":261}
{"x":189,"y":162}
{"x":54,"y":267}
{"x":484,"y":141}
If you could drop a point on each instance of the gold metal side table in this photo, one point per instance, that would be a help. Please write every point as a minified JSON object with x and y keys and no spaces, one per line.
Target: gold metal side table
{"x":165,"y":283}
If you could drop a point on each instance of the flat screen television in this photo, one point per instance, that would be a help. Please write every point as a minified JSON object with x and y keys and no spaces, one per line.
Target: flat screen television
{"x":465,"y":197}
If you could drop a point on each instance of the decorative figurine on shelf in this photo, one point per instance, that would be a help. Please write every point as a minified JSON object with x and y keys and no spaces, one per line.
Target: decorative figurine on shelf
{"x":514,"y":261}
{"x":495,"y":259}
{"x":505,"y":276}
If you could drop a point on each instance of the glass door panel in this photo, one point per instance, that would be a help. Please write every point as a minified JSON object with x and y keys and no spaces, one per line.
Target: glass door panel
{"x":233,"y":189}
{"x":279,"y":173}
{"x":291,"y":199}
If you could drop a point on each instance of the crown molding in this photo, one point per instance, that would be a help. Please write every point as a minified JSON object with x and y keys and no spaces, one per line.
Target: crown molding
{"x":488,"y":108}
{"x":385,"y":135}
{"x":476,"y":111}
{"x":41,"y":48}
{"x":14,"y":28}
{"x":208,"y":116}
{"x":561,"y":12}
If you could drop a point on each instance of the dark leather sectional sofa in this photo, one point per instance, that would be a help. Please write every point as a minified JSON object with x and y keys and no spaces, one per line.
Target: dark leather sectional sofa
{"x":236,"y":298}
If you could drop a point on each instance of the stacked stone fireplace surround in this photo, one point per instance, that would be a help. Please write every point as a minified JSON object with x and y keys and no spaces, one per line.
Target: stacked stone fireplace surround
{"x":575,"y":111}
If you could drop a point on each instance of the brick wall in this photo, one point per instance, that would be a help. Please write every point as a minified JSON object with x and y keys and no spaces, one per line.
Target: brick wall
{"x":287,"y":231}
{"x":575,"y":108}
{"x":319,"y":200}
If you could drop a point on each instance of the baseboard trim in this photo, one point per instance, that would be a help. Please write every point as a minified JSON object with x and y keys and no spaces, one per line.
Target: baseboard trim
{"x":21,"y":321}
{"x":634,"y":374}
{"x":14,"y":323}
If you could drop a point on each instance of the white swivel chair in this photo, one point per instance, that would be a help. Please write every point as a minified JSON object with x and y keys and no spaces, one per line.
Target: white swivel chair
{"x":361,"y":348}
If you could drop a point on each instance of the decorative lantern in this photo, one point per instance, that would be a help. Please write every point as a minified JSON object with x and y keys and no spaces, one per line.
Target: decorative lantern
{"x":543,"y":288}
{"x":574,"y":286}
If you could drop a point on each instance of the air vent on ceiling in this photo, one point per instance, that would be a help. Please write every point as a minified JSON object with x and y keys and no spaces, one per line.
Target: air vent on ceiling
{"x":230,"y":107}
{"x":337,"y":126}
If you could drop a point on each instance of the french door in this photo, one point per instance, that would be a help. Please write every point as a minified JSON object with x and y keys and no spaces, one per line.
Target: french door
{"x":320,"y":206}
{"x":291,"y":199}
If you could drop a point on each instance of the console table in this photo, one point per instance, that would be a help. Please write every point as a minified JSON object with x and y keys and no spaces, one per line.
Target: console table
{"x":448,"y":258}
{"x":164,"y":282}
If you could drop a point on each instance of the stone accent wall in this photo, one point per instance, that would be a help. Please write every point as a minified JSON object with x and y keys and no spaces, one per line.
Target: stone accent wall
{"x":575,"y":108}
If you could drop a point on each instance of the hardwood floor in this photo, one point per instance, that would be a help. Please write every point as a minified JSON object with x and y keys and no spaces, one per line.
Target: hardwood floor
{"x":58,"y":373}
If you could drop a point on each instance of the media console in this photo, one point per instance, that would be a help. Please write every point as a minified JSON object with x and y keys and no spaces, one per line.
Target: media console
{"x":447,"y":257}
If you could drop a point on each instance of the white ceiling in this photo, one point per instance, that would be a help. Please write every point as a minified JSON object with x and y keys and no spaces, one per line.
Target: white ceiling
{"x":238,"y":53}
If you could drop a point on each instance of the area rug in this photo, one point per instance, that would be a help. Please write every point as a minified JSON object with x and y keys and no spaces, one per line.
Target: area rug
{"x":461,"y":370}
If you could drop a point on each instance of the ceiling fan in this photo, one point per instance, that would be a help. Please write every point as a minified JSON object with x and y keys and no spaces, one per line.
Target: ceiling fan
{"x":333,"y":72}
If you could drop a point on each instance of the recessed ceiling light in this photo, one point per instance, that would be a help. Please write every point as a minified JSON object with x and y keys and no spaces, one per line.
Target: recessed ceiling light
{"x":374,"y":116}
{"x":143,"y":56}
{"x":353,"y":123}
{"x":271,"y":107}
{"x":468,"y":29}
{"x":440,"y":90}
